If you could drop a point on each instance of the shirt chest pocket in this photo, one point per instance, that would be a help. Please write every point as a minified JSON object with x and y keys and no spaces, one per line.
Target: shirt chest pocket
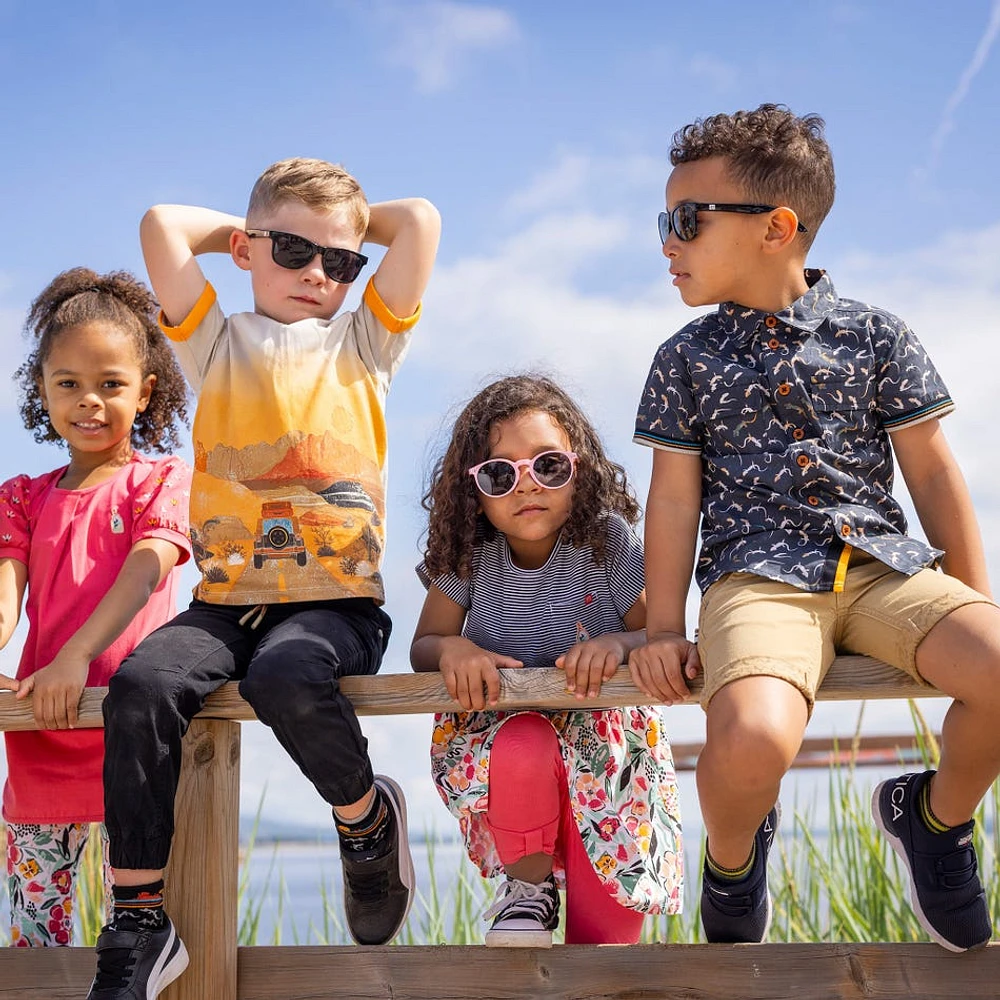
{"x":838,"y":394}
{"x":734,"y":409}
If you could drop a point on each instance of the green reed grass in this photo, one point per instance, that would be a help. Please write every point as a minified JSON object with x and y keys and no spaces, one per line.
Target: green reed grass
{"x":844,"y":886}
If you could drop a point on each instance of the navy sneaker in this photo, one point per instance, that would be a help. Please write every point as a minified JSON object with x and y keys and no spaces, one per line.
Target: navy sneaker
{"x":740,"y":912}
{"x":524,"y":914}
{"x":945,"y":891}
{"x":378,"y":879}
{"x":136,"y":963}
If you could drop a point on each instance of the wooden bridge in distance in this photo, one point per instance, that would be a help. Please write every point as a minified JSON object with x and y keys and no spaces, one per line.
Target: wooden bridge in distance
{"x":202,"y":898}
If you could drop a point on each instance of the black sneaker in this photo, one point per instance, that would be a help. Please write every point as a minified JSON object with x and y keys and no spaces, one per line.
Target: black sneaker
{"x":740,"y":912}
{"x":945,"y":890}
{"x":525,"y":914}
{"x":136,"y":963}
{"x":378,"y":880}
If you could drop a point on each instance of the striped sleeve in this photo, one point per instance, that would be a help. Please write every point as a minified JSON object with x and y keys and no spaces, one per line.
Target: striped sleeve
{"x":624,"y":564}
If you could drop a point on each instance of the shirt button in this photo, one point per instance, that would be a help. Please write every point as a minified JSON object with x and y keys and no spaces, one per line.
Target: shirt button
{"x":814,"y":501}
{"x":798,"y":434}
{"x":802,"y":460}
{"x":784,"y":389}
{"x":774,"y":343}
{"x":845,"y":529}
{"x":770,"y":322}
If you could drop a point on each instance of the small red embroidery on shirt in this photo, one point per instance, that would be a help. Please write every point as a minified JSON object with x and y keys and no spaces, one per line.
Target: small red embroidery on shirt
{"x":588,"y":598}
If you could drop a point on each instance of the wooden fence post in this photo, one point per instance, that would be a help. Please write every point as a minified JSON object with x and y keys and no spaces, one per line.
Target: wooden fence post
{"x":203,"y":874}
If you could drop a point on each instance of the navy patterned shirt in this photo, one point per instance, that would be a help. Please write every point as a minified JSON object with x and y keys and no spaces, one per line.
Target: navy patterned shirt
{"x":791,"y":415}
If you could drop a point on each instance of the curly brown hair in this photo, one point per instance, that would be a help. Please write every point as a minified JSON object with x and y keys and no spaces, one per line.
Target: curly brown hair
{"x":456,"y":521}
{"x":775,"y":156}
{"x":120,"y":299}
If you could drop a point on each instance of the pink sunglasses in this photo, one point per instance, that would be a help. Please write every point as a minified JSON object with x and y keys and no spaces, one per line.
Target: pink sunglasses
{"x":496,"y":477}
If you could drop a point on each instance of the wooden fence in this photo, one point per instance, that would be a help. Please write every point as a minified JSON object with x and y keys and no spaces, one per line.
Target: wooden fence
{"x":202,"y":899}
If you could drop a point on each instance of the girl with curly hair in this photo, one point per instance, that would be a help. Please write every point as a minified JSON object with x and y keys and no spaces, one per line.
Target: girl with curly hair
{"x":532,"y":561}
{"x":95,"y":545}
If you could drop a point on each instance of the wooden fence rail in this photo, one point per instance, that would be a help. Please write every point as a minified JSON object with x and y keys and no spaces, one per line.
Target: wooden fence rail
{"x":202,"y":898}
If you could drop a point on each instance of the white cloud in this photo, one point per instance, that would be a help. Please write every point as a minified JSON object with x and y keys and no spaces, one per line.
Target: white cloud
{"x":961,"y":91}
{"x":439,"y":38}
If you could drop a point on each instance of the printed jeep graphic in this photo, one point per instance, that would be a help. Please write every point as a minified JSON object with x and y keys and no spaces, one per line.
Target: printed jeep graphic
{"x":278,"y":535}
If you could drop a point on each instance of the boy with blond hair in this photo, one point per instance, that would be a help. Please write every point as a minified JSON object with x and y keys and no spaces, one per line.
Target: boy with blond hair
{"x":771,"y":420}
{"x":287,"y":523}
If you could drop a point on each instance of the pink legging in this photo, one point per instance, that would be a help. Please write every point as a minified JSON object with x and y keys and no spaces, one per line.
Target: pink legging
{"x":529,"y":813}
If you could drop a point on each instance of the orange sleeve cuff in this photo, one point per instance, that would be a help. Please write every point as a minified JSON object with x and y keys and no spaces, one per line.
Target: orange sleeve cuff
{"x":191,"y":322}
{"x":385,"y":315}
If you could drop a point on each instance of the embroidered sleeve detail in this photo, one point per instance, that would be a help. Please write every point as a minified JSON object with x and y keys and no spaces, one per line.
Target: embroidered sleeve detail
{"x":15,"y":528}
{"x":160,"y":505}
{"x":190,"y":323}
{"x":385,"y":315}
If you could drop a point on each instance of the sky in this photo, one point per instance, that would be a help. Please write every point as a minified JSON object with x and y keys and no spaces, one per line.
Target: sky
{"x":541,"y":132}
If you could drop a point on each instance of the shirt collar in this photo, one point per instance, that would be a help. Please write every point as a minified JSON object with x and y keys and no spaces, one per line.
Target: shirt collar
{"x":805,"y":313}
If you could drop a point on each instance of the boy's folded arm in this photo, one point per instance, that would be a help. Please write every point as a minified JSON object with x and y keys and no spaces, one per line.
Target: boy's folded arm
{"x":942,"y":501}
{"x":411,"y":229}
{"x":172,"y":236}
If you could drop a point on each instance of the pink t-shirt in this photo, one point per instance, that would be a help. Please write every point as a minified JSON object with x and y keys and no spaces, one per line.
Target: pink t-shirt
{"x":74,"y":543}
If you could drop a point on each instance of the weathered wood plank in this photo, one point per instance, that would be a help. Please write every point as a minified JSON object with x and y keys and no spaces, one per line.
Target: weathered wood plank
{"x":663,"y":972}
{"x":850,"y":677}
{"x":202,"y":878}
{"x":579,"y":972}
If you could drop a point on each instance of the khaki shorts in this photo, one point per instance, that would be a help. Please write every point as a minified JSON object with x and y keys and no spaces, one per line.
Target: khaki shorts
{"x":750,"y":626}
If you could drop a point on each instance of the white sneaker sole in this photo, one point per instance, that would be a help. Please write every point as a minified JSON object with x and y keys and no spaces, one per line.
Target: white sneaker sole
{"x":518,"y":939}
{"x":405,"y":857}
{"x":162,"y":977}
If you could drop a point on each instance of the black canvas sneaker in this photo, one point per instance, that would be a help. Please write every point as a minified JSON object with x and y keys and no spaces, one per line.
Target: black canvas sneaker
{"x":524,"y":914}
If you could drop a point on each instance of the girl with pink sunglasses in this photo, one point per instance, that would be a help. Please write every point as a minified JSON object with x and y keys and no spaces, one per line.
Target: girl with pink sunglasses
{"x":532,"y":562}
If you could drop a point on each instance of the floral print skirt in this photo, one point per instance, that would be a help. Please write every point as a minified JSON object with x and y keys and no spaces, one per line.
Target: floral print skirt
{"x":622,"y":790}
{"x":43,"y":862}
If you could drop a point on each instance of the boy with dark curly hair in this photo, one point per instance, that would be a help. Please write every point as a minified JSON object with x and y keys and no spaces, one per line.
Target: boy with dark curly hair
{"x":771,"y":420}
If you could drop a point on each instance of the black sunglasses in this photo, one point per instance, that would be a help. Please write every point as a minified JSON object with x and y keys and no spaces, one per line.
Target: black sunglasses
{"x":683,"y":220}
{"x":296,"y":252}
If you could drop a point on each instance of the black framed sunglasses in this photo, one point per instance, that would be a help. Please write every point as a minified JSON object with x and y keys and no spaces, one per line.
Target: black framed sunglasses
{"x":683,"y":219}
{"x":496,"y":477}
{"x":296,"y":252}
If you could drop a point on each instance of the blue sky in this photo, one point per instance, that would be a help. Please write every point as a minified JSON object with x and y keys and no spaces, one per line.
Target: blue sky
{"x":541,"y":133}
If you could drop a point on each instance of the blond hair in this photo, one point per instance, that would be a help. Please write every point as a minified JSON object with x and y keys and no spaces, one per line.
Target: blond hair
{"x":321,"y":186}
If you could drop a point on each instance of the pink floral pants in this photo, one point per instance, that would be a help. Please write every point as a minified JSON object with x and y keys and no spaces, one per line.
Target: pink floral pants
{"x":42,"y":867}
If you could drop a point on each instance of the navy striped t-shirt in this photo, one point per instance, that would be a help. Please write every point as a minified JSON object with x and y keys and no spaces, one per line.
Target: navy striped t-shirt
{"x":532,"y":614}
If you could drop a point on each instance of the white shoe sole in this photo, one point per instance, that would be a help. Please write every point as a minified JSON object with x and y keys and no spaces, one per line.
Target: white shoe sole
{"x":518,"y":939}
{"x":405,"y":857}
{"x":161,"y":978}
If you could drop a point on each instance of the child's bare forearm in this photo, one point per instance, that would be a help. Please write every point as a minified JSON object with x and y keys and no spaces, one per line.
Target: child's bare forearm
{"x":199,"y":230}
{"x":142,"y":572}
{"x":427,"y":651}
{"x":411,"y":229}
{"x":388,"y":219}
{"x":13,"y":580}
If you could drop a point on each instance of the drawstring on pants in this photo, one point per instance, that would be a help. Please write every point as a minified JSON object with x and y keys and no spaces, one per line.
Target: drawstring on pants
{"x":260,"y":610}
